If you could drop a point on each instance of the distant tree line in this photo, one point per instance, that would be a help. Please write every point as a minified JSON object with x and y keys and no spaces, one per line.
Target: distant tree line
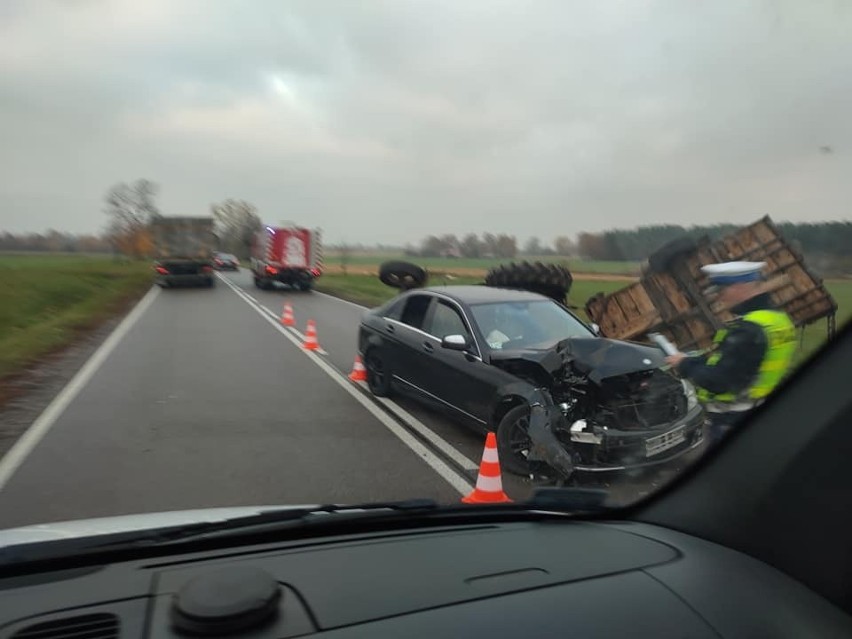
{"x":488,"y":245}
{"x":132,"y":207}
{"x":471,"y":245}
{"x":819,"y":239}
{"x":54,"y":242}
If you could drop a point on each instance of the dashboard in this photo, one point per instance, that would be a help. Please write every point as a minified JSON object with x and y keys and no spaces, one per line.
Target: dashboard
{"x":565,"y":578}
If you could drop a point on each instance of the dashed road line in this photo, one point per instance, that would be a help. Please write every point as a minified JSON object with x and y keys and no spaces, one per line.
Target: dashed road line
{"x":449,"y":474}
{"x":421,"y":429}
{"x":292,"y":329}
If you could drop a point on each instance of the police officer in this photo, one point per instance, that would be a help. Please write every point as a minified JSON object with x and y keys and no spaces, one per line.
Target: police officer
{"x":749,"y":356}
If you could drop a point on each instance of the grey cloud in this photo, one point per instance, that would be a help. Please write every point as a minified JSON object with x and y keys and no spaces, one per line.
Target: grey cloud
{"x":387,"y":121}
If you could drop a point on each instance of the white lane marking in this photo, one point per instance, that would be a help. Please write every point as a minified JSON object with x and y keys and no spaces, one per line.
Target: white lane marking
{"x":43,"y":423}
{"x":271,"y":313}
{"x":429,"y":434}
{"x":340,"y":299}
{"x":421,"y":428}
{"x":461,"y":484}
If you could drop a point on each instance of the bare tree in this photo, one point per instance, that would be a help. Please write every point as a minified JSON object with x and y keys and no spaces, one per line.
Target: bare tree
{"x":533,"y":247}
{"x":506,"y":246}
{"x":345,"y":252}
{"x":471,"y":246}
{"x":564,"y":245}
{"x":489,"y":245}
{"x":237,"y":223}
{"x":131,"y":208}
{"x":431,"y":246}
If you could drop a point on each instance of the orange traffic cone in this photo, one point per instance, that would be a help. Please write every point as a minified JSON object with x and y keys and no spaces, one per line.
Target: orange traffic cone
{"x":311,"y":343}
{"x":359,"y":373}
{"x":287,"y":318}
{"x":489,"y":485}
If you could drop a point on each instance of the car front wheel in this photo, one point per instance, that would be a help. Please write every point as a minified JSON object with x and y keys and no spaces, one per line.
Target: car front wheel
{"x":513,"y":440}
{"x":378,"y":374}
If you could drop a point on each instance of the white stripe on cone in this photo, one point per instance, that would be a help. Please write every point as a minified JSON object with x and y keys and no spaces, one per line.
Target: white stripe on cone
{"x":489,"y":484}
{"x":490,"y":455}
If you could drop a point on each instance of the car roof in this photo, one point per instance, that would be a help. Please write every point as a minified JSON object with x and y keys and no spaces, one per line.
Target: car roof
{"x":477,"y":294}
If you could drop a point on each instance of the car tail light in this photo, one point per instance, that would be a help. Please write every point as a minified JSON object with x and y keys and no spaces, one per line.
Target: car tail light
{"x":206,"y":268}
{"x":162,"y":270}
{"x":271,"y":270}
{"x":315,"y":272}
{"x":218,"y":261}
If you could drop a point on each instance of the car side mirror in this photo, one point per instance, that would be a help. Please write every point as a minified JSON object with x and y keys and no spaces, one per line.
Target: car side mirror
{"x":455,"y":342}
{"x":596,"y":329}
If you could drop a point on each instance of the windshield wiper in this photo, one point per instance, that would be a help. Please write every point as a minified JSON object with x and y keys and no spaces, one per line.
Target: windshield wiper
{"x":301,"y":515}
{"x":264,"y":520}
{"x":304,"y":520}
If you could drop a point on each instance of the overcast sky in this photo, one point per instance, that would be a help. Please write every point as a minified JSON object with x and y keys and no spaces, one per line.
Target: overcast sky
{"x":387,"y":121}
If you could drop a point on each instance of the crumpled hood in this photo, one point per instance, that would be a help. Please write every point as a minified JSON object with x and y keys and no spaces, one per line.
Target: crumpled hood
{"x":595,"y":357}
{"x":127,"y":523}
{"x":599,"y":358}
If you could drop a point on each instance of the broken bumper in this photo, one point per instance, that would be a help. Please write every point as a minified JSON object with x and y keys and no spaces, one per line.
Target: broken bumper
{"x":635,"y":450}
{"x":615,"y":450}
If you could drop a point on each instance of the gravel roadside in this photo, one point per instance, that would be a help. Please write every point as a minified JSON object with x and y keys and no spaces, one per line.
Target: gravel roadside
{"x":28,"y":394}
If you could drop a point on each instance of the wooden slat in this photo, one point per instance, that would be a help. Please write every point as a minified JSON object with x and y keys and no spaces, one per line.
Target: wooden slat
{"x":676,"y":302}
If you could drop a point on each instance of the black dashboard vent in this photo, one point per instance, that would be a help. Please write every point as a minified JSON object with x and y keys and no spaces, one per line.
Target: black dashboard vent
{"x":94,"y":626}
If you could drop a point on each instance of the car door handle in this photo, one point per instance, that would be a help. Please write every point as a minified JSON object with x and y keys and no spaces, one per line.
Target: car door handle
{"x":427,"y":346}
{"x":390,"y":328}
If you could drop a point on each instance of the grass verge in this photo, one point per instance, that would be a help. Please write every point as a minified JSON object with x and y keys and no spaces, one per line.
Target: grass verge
{"x":369,"y":291}
{"x":484,"y":263}
{"x":47,"y":300}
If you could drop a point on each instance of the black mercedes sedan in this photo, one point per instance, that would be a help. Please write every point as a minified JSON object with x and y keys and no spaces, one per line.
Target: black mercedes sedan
{"x":487,"y":355}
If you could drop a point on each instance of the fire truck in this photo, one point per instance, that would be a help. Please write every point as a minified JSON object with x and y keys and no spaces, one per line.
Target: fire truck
{"x":290,"y":255}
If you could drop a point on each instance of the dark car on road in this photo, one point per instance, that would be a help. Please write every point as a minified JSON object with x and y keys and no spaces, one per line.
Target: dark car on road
{"x":487,"y":355}
{"x":226,"y":262}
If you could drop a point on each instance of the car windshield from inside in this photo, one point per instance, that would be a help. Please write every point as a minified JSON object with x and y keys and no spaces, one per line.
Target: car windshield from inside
{"x":526,"y":324}
{"x":304,"y":253}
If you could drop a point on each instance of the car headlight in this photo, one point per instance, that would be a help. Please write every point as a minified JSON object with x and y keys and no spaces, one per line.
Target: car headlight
{"x":691,"y":395}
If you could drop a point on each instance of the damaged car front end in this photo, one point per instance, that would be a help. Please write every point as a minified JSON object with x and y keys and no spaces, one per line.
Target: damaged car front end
{"x":598,"y":405}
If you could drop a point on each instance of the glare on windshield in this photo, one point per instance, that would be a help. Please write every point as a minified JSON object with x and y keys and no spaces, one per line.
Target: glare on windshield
{"x":520,"y":324}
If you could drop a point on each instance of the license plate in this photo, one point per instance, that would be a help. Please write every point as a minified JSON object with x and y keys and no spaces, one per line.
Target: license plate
{"x":656,"y":445}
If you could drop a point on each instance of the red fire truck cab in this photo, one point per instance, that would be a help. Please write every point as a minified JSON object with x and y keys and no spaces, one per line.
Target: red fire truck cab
{"x":290,"y":255}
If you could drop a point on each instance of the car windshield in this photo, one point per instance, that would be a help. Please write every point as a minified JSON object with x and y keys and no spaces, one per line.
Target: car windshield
{"x":526,"y":324}
{"x":337,"y":252}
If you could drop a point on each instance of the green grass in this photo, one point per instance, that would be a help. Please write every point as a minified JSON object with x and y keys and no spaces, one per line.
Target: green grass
{"x":369,"y":291}
{"x":579,"y":266}
{"x":815,"y":334}
{"x":45,"y":300}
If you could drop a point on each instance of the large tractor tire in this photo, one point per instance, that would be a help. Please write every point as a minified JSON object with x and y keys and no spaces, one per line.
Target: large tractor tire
{"x":552,"y":280}
{"x":402,"y":275}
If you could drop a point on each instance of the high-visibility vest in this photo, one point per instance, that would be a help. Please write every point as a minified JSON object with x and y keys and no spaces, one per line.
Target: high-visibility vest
{"x":780,"y":349}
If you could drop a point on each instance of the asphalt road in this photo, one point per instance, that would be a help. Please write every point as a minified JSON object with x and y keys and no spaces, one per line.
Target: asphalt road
{"x":203,"y":400}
